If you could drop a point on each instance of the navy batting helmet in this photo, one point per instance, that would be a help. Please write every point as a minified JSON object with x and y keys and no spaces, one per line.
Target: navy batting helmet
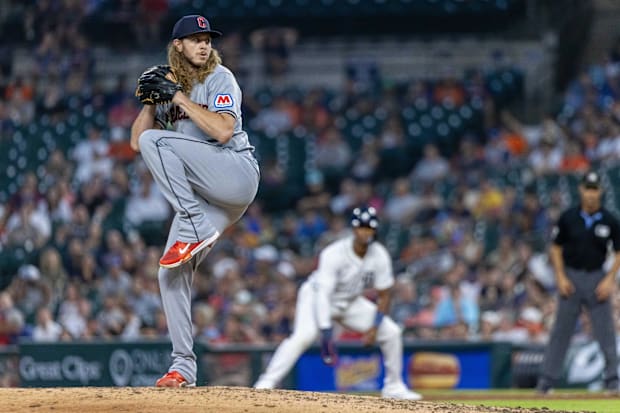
{"x":365,"y":217}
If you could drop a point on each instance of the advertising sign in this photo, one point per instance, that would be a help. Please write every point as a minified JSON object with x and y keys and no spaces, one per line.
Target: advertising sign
{"x":422,"y":370}
{"x":584,"y":365}
{"x":93,"y":364}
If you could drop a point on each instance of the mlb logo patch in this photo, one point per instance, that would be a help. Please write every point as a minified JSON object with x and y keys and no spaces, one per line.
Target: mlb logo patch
{"x":223,"y":100}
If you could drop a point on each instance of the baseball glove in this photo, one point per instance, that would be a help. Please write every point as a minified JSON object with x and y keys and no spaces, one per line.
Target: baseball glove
{"x":157,"y":85}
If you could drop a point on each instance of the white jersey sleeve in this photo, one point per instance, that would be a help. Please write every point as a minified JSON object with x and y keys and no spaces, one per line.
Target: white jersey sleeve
{"x":323,"y":284}
{"x":382,"y":263}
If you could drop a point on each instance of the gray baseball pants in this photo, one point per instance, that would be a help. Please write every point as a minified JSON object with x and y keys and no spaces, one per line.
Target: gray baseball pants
{"x":568,"y":311}
{"x":209,"y":188}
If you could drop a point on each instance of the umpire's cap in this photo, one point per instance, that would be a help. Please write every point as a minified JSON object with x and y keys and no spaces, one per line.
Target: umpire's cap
{"x":365,"y":217}
{"x":591,"y":180}
{"x":192,"y":24}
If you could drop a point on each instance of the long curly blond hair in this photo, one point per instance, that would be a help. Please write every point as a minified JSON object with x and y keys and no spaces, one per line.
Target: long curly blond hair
{"x":184,"y":71}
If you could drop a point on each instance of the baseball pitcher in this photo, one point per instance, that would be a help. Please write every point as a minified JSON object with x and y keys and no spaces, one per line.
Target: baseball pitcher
{"x":204,"y":167}
{"x":334,"y":293}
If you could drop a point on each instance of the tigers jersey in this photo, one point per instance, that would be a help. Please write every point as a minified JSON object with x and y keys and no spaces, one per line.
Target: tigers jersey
{"x":218,"y":93}
{"x":343,"y":275}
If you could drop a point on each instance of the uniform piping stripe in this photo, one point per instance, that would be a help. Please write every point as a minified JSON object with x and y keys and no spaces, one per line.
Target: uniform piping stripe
{"x":230,"y":112}
{"x":247,"y":148}
{"x":172,"y":188}
{"x":161,"y":123}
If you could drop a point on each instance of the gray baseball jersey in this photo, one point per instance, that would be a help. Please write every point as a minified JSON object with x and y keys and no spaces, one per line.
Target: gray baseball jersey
{"x":219,"y":93}
{"x":209,"y":185}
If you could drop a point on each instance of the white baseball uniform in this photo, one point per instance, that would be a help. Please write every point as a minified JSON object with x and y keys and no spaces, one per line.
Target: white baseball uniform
{"x":333,"y":292}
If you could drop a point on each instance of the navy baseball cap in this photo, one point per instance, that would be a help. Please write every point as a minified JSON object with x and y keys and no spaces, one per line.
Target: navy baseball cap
{"x":364,"y":217}
{"x":192,"y":24}
{"x":591,"y":180}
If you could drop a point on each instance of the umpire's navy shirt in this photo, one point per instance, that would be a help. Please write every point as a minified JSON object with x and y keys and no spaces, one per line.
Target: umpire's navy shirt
{"x":584,"y":238}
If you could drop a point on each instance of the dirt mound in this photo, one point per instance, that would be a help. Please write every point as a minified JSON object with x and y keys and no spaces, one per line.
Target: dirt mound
{"x":215,"y":399}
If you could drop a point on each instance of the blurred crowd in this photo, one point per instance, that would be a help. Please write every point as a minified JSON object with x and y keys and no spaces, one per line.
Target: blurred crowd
{"x":466,"y":223}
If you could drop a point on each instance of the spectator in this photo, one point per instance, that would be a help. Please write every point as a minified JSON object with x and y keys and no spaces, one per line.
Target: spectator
{"x":364,"y":167}
{"x":403,"y":205}
{"x":406,"y":306}
{"x":333,"y":156}
{"x":28,"y":227}
{"x":146,"y":203}
{"x":204,"y":323}
{"x":275,"y":44}
{"x":53,"y":274}
{"x":58,"y":204}
{"x":74,"y":312}
{"x":30,"y":292}
{"x":344,"y":200}
{"x":512,"y":134}
{"x":489,"y":321}
{"x":547,"y":158}
{"x":122,"y":114}
{"x":11,"y":320}
{"x":150,"y":14}
{"x":112,"y":253}
{"x":431,"y":168}
{"x":531,"y":318}
{"x":508,"y":330}
{"x":574,"y":161}
{"x":449,"y":91}
{"x":46,"y":329}
{"x":143,"y":299}
{"x":112,"y":319}
{"x":317,"y":197}
{"x":91,"y":156}
{"x":89,"y":271}
{"x":116,"y":282}
{"x":277,"y":119}
{"x":490,"y":200}
{"x":455,"y":307}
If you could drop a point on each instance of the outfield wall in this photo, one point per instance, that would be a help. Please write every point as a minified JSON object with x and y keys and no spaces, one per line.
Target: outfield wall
{"x":453,"y":365}
{"x":461,"y":365}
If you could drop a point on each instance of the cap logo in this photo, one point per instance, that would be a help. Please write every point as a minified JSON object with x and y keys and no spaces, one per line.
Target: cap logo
{"x":202,"y":22}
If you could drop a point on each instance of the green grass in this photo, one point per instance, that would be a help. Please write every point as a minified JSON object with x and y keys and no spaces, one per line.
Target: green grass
{"x":572,"y":405}
{"x":573,"y":400}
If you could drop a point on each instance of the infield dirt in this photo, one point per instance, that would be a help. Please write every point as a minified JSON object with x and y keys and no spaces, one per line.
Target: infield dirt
{"x":216,"y":399}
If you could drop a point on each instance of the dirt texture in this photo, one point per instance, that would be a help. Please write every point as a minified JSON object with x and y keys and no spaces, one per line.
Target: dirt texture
{"x":216,"y":399}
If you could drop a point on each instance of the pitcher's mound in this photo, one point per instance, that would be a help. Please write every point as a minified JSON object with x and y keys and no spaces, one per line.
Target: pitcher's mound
{"x":211,"y":399}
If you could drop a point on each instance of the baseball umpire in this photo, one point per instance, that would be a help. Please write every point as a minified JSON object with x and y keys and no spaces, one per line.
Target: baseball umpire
{"x":334,"y":292}
{"x":581,"y":240}
{"x":204,"y":167}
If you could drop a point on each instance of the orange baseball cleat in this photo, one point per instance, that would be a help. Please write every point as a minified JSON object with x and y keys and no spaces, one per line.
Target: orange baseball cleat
{"x":173,"y":379}
{"x":181,"y":252}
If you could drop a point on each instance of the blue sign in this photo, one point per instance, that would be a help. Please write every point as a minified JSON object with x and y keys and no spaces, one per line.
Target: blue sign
{"x":365,"y":372}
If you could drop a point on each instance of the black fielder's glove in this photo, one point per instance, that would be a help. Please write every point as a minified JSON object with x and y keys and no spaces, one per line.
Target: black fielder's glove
{"x":157,"y":85}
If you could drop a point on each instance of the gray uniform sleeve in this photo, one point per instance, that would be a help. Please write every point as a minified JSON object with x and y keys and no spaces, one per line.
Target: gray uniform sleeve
{"x":225,"y":95}
{"x":161,"y":115}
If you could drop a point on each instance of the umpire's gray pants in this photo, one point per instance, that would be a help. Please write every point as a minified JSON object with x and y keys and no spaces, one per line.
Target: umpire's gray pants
{"x":209,"y":187}
{"x":568,"y":311}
